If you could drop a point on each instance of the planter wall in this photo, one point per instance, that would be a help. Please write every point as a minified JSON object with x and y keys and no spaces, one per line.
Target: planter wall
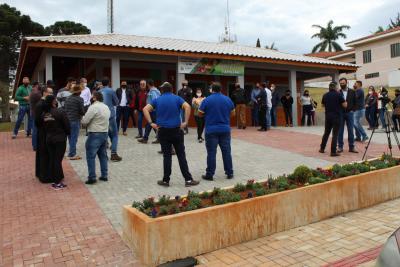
{"x":159,"y":240}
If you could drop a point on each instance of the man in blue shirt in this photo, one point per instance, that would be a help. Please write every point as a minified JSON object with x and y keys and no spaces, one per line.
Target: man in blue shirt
{"x":168,"y":123}
{"x":217,"y":110}
{"x":153,"y":94}
{"x":111,"y":100}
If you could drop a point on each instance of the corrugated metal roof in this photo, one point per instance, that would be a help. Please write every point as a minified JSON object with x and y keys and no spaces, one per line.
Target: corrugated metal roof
{"x":179,"y":45}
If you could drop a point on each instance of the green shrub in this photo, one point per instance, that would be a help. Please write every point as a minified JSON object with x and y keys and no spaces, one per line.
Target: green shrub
{"x":192,"y":194}
{"x":343,"y":173}
{"x":361,"y":167}
{"x":379,"y":165}
{"x":282,"y":183}
{"x":336,"y":169}
{"x":291,"y":178}
{"x":136,"y":204}
{"x":196,"y":201}
{"x":225,"y":197}
{"x":205,"y":195}
{"x":148,"y":203}
{"x":271,"y":182}
{"x":163,"y":210}
{"x":164,"y":200}
{"x":216,"y":191}
{"x":316,"y":180}
{"x":239,"y":188}
{"x":249,"y":184}
{"x":173,"y":209}
{"x":260,"y":191}
{"x":302,"y":174}
{"x":292,"y":186}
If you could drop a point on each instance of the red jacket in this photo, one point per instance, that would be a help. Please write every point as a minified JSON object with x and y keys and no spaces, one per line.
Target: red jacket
{"x":139,"y":100}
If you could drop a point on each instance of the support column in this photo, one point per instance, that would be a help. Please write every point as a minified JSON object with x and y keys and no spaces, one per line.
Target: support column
{"x":335,"y":77}
{"x":180,"y":77}
{"x":115,"y":73}
{"x":293,"y":90}
{"x":240,"y":80}
{"x":49,"y":67}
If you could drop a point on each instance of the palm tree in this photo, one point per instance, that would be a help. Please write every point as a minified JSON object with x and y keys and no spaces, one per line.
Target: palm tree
{"x":328,"y":37}
{"x":272,"y":46}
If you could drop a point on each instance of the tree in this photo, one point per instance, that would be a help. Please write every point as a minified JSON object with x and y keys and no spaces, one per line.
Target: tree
{"x":66,"y":28}
{"x":258,"y":44}
{"x":394,"y":22}
{"x":13,"y":27}
{"x":272,"y":46}
{"x":329,"y":36}
{"x":380,"y":29}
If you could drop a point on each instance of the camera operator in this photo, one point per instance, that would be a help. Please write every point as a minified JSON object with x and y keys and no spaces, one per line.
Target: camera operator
{"x":383,"y":100}
{"x":396,"y":111}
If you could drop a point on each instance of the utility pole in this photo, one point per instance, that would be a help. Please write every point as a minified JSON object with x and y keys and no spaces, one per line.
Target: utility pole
{"x":110,"y":16}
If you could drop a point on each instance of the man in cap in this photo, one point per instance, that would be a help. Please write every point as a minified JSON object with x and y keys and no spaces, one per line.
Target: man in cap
{"x":333,"y":102}
{"x":74,"y":108}
{"x":168,"y":107}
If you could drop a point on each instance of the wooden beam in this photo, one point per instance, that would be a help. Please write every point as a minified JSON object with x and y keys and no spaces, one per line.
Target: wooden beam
{"x":104,"y":48}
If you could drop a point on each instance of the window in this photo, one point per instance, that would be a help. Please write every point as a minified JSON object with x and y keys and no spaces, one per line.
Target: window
{"x":367,"y":56}
{"x":372,"y":75}
{"x":395,"y":50}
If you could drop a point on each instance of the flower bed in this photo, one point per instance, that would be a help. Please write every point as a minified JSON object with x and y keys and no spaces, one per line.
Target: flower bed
{"x":302,"y":176}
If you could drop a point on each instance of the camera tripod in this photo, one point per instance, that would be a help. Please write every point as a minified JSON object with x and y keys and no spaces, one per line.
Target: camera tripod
{"x":388,"y":130}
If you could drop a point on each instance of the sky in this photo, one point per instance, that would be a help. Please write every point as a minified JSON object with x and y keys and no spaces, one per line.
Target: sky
{"x":287,"y":23}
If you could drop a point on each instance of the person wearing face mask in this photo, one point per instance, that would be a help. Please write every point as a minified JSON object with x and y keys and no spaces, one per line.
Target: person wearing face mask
{"x":305,"y":102}
{"x":124,"y":95}
{"x":239,"y":99}
{"x":287,"y":103}
{"x":187,"y":94}
{"x":22,"y":96}
{"x":347,"y":116}
{"x":85,"y":94}
{"x":137,"y":104}
{"x":196,"y":102}
{"x":371,"y":104}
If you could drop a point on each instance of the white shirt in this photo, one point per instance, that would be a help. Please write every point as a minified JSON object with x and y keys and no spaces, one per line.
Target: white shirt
{"x":86,"y":95}
{"x":97,"y":118}
{"x":123,"y":98}
{"x":345,"y":94}
{"x":269,"y":97}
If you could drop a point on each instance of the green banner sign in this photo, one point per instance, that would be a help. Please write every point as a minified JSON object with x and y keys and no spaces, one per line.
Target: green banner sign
{"x":211,"y":67}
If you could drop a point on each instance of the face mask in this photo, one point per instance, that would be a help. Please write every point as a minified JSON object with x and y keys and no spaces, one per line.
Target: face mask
{"x":306,"y":94}
{"x":198,"y":94}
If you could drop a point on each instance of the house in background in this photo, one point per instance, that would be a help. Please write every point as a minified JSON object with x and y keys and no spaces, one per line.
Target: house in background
{"x":378,"y":58}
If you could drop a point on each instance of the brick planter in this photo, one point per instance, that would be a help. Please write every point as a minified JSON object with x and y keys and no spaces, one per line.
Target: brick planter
{"x":159,"y":240}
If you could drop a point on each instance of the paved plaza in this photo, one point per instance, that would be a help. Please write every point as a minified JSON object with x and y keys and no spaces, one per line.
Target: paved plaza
{"x":80,"y":226}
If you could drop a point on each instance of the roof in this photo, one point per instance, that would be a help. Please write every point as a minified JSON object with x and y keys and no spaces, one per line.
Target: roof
{"x":328,"y":55}
{"x":179,"y":45}
{"x":374,"y":36}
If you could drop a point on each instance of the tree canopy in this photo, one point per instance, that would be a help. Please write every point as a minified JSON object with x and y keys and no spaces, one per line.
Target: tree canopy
{"x":66,"y":28}
{"x":328,"y":36}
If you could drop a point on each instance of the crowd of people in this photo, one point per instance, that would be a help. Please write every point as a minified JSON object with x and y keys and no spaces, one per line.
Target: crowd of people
{"x":346,"y":106}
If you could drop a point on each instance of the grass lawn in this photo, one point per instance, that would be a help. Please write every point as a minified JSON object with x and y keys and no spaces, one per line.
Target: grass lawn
{"x":8,"y":126}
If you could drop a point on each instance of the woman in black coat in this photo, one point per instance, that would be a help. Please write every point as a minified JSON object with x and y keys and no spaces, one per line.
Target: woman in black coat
{"x":56,"y":128}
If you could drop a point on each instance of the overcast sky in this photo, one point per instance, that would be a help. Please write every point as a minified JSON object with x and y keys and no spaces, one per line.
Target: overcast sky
{"x":285,"y":22}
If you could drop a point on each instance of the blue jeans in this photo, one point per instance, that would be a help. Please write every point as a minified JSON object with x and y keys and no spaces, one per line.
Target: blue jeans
{"x":268,"y":118}
{"x":360,"y":132}
{"x":148,"y":127}
{"x":21,"y":114}
{"x":370,"y":115}
{"x":113,"y":134}
{"x":382,"y":116}
{"x":254,"y":115}
{"x":34,"y":134}
{"x":348,"y":119}
{"x":274,"y":117}
{"x":73,"y":137}
{"x":224,"y":142}
{"x":140,"y":122}
{"x":96,"y":144}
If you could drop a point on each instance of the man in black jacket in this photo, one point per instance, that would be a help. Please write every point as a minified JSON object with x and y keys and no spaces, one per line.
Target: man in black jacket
{"x":347,"y":116}
{"x":239,"y":98}
{"x":124,"y":95}
{"x":275,"y":102}
{"x":187,"y":94}
{"x":262,"y":112}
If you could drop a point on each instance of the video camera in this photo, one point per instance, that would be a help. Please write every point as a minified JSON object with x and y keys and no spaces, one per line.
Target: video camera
{"x":384,"y":97}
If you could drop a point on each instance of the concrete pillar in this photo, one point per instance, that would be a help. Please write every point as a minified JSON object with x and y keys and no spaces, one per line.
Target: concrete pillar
{"x":180,"y":77}
{"x":293,"y":90}
{"x":49,"y":67}
{"x":335,"y":77}
{"x":301,"y":87}
{"x":240,"y":80}
{"x":115,"y":73}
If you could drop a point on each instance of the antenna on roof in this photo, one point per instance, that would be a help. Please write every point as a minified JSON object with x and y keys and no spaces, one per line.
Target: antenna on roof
{"x":227,"y":37}
{"x":110,"y":16}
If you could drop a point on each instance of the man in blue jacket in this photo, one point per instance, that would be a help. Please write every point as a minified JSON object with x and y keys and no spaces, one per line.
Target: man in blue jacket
{"x":111,"y":100}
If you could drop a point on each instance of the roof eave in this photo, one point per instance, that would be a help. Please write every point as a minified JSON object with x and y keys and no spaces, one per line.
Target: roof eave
{"x":372,"y":39}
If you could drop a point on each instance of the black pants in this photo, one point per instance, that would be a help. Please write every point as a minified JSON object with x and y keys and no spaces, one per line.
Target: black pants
{"x":173,"y":137}
{"x":306,"y":113}
{"x":262,"y":117}
{"x":56,"y":155}
{"x":200,"y":126}
{"x":123,"y":113}
{"x":332,"y":123}
{"x":288,"y":115}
